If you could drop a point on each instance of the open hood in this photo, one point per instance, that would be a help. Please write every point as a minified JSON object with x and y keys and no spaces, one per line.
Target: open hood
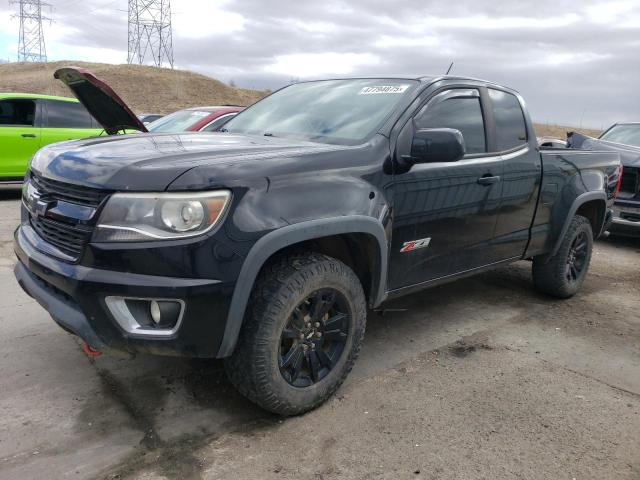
{"x":100,"y":100}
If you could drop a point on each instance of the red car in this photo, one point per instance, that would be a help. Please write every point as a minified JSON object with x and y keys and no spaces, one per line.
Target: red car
{"x":199,"y":119}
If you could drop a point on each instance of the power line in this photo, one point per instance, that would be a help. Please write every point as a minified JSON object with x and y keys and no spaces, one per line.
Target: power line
{"x":150,"y":32}
{"x":31,"y":45}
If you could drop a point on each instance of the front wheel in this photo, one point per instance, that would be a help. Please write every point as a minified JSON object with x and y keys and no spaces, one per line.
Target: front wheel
{"x":302,"y":333}
{"x":562,"y":275}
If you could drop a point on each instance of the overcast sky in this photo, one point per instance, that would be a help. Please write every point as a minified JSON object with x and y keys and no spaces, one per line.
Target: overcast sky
{"x":576,"y":62}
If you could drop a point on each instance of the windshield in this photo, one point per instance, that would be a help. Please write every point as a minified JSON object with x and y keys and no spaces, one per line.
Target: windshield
{"x":178,"y":121}
{"x":331,"y":111}
{"x":627,"y":134}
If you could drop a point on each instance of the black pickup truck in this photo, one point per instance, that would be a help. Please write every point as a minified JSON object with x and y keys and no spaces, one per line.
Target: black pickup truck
{"x":266,"y":244}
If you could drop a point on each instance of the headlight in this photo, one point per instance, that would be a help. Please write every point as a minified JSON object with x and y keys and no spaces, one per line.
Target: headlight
{"x":133,"y":217}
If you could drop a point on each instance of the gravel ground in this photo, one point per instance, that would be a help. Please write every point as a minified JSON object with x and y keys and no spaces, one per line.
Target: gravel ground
{"x":481,"y":378}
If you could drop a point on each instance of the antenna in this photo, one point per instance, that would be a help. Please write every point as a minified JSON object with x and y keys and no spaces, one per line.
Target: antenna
{"x":449,"y":70}
{"x":31,"y":47}
{"x":150,"y":35}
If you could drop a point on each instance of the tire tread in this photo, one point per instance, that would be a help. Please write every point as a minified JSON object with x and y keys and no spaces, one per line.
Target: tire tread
{"x":548,"y":273}
{"x":284,"y":278}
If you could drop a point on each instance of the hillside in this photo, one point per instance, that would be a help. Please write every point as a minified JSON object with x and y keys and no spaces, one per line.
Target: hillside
{"x":159,"y":90}
{"x":558,"y":131}
{"x":144,"y":89}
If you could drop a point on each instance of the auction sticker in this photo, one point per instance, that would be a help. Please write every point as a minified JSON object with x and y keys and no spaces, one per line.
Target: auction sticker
{"x":383,"y":89}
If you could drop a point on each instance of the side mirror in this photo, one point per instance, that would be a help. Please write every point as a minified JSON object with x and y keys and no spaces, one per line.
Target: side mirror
{"x":436,"y":145}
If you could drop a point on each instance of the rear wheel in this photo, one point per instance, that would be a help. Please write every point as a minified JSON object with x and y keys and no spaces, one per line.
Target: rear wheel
{"x":563,"y":274}
{"x":301,"y":335}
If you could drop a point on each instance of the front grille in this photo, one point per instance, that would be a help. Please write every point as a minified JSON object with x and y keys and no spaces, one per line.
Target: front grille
{"x":55,"y":190}
{"x":630,"y":181}
{"x":632,"y":217}
{"x":70,"y":239}
{"x":68,"y":235}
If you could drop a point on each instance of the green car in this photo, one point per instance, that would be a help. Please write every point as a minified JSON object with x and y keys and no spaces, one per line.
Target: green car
{"x":29,"y":122}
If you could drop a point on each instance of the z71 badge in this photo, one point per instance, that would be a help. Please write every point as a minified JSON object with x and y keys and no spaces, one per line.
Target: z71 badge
{"x":415,"y":245}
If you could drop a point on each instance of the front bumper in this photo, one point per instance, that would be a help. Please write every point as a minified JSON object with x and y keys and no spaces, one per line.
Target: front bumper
{"x":626,"y":218}
{"x":74,"y":295}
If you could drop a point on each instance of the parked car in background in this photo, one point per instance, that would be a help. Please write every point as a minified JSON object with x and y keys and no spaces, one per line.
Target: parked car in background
{"x":147,"y":118}
{"x":115,"y":116}
{"x":29,"y":122}
{"x":623,"y":138}
{"x":267,"y":244}
{"x":198,"y":119}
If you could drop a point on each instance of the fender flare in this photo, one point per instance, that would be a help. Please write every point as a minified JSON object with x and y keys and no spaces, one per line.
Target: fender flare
{"x":290,"y":235}
{"x":577,"y":203}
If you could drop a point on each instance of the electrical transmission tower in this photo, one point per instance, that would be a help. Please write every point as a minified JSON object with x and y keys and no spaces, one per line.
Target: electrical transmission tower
{"x":150,"y":36}
{"x":31,"y":47}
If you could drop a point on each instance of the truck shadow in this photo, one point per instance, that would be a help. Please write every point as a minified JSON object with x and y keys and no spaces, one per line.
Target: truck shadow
{"x":10,"y":193}
{"x":179,"y":404}
{"x":176,"y":396}
{"x":176,"y":405}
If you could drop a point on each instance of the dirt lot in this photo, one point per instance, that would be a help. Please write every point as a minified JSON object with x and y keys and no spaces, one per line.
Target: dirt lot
{"x":482,"y":378}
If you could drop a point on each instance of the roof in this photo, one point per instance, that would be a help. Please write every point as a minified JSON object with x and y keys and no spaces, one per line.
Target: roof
{"x":420,"y":78}
{"x":36,"y":96}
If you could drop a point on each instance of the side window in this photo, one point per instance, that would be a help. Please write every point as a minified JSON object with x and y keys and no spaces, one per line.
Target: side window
{"x":217,"y":123}
{"x":17,"y":112}
{"x":462,"y":111}
{"x":68,"y":115}
{"x":511,"y":130}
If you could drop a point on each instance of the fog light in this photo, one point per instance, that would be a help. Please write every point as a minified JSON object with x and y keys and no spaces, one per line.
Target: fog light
{"x":147,"y":316}
{"x":156,"y":314}
{"x":165,"y":313}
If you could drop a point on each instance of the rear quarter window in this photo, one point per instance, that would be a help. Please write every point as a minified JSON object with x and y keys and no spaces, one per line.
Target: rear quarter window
{"x":511,"y":129}
{"x":68,"y":115}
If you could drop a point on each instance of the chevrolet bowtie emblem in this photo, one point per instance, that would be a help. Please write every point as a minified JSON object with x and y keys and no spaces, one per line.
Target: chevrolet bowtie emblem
{"x":34,"y":202}
{"x":41,"y":207}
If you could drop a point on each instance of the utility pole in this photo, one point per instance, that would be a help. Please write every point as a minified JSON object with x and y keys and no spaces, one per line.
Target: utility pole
{"x":150,"y":36}
{"x":31,"y":47}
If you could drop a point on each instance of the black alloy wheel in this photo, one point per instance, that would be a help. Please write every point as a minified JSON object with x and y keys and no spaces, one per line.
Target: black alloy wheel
{"x":577,"y":257}
{"x":562,"y":274}
{"x":314,"y":337}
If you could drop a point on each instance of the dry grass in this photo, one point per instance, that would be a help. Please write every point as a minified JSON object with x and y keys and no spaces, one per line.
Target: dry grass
{"x":156,"y":90}
{"x":558,"y":131}
{"x":144,"y":89}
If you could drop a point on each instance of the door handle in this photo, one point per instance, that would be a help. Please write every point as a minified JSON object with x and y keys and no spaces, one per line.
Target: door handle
{"x":28,"y":135}
{"x":488,"y":180}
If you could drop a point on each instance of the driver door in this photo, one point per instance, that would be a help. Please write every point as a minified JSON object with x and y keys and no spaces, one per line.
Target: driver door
{"x":446,"y":213}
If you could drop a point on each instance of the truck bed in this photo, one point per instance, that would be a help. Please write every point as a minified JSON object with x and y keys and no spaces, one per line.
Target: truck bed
{"x":567,"y":174}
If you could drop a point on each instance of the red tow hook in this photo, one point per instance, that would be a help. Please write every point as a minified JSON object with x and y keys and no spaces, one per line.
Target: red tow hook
{"x":90,"y":352}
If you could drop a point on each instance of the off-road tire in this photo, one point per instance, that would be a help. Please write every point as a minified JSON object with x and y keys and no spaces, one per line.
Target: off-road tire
{"x":550,"y":275}
{"x":254,"y":367}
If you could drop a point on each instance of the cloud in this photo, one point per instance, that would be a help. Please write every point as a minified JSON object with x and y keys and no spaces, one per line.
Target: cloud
{"x":574,"y":62}
{"x":211,"y":17}
{"x":315,"y":64}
